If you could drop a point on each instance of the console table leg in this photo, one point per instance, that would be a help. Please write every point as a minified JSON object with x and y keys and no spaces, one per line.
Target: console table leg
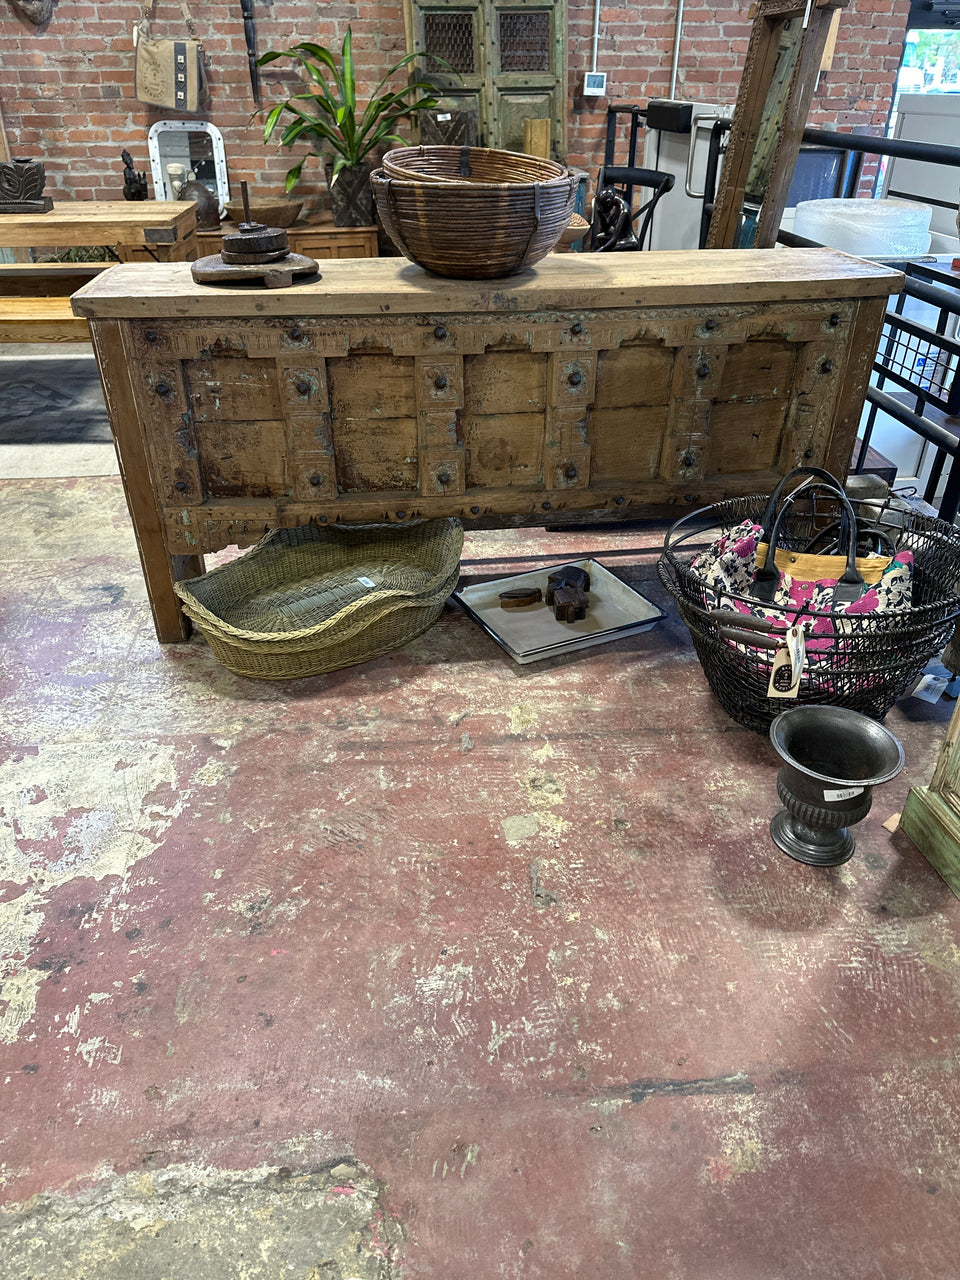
{"x":160,"y":569}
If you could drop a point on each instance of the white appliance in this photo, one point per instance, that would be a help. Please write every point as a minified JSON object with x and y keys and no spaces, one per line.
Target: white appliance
{"x":934,"y":118}
{"x":676,"y":221}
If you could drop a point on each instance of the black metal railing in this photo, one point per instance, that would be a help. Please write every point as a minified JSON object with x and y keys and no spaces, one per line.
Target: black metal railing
{"x":916,"y":373}
{"x":916,"y":381}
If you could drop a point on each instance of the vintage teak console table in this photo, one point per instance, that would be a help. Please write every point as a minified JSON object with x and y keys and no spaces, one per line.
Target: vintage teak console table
{"x":627,"y":384}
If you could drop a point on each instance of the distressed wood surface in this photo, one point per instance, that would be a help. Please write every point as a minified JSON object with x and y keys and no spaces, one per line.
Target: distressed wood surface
{"x":161,"y":566}
{"x":753,"y":111}
{"x":571,"y":281}
{"x":26,"y":319}
{"x":88,"y":222}
{"x":931,"y":815}
{"x":498,"y":413}
{"x":933,"y":825}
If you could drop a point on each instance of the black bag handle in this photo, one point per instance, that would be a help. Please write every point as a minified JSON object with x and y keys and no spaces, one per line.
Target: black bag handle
{"x":850,"y":586}
{"x":820,"y":544}
{"x":816,"y":473}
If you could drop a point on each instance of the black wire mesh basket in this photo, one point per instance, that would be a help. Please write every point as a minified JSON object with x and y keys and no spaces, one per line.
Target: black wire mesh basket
{"x":867,"y":661}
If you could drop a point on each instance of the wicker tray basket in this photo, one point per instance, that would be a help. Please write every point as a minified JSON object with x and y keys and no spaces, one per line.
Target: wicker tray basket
{"x":461,"y":165}
{"x":315,"y":598}
{"x":474,"y":231}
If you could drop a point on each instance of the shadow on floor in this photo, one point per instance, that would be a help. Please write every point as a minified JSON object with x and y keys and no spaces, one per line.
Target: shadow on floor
{"x":52,"y":399}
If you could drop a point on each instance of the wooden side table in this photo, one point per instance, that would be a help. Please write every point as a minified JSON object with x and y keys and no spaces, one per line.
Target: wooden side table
{"x":931,"y":815}
{"x":162,"y":230}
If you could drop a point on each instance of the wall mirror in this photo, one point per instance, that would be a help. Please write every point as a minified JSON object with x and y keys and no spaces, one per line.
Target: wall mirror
{"x":783,"y":61}
{"x":184,"y":150}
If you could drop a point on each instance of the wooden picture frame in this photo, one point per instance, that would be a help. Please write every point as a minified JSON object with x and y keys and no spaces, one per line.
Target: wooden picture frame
{"x":780,"y":73}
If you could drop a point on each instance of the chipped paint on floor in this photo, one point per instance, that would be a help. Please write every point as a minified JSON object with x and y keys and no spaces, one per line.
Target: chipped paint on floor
{"x":196,"y":1221}
{"x":514,"y":938}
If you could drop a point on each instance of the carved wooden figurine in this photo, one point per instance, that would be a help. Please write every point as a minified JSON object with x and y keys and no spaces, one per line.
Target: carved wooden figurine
{"x":21,"y":187}
{"x":520,"y":597}
{"x":567,"y":593}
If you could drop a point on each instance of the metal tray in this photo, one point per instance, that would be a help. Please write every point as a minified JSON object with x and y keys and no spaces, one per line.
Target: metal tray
{"x":532,"y":633}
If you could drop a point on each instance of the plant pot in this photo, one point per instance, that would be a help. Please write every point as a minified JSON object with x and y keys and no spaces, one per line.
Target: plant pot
{"x":351,"y":196}
{"x":832,"y":760}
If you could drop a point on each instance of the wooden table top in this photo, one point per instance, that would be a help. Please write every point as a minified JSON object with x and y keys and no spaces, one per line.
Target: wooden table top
{"x":84,"y":222}
{"x":394,"y":286}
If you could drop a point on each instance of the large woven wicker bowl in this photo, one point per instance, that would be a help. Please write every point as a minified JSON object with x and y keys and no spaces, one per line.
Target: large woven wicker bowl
{"x":314,"y":599}
{"x":469,"y":164}
{"x":474,"y":231}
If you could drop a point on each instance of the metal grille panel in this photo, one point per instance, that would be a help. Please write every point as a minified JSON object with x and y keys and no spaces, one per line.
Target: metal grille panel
{"x":916,"y":363}
{"x":524,"y":41}
{"x":450,"y":36}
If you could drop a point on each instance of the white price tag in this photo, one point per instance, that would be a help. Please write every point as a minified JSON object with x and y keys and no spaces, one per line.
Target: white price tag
{"x":930,"y":688}
{"x":788,"y":664}
{"x":845,"y":793}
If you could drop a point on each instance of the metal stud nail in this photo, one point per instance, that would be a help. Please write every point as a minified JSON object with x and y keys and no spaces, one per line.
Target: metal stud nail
{"x":575,"y":378}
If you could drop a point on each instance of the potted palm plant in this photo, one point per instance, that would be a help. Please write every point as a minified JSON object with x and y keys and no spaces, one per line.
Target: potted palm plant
{"x":328,"y":117}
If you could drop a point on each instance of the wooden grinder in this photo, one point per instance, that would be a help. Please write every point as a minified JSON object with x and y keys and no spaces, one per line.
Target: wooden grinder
{"x":253,"y":252}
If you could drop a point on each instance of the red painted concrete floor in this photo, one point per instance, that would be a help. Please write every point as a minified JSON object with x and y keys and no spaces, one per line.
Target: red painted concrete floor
{"x":514,"y":939}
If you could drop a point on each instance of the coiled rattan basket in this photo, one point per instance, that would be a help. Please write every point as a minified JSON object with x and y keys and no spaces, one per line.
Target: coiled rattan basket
{"x":316,"y":598}
{"x":475,"y":230}
{"x":872,"y":658}
{"x":469,"y":165}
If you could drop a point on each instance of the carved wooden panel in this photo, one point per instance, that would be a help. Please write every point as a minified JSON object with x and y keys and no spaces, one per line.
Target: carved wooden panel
{"x":380,"y":417}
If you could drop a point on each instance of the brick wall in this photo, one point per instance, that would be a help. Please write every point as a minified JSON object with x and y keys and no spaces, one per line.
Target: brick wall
{"x":66,"y":90}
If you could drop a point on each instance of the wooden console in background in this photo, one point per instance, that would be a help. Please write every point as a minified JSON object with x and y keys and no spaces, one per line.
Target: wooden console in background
{"x":315,"y":239}
{"x":620,"y":385}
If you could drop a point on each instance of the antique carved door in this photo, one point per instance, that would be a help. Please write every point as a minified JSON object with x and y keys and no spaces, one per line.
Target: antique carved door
{"x":511,"y":56}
